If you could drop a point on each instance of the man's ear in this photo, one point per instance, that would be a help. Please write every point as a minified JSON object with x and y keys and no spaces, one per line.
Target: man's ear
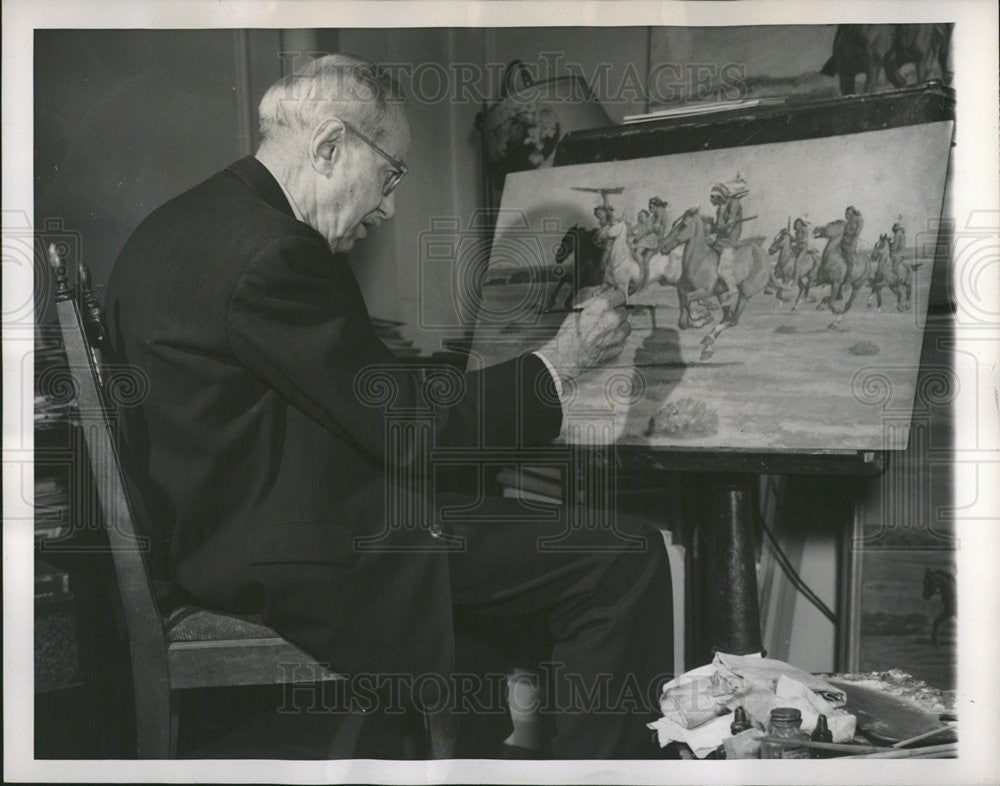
{"x":325,"y":145}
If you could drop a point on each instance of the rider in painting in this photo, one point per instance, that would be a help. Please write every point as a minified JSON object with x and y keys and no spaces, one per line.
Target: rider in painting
{"x":727,"y":226}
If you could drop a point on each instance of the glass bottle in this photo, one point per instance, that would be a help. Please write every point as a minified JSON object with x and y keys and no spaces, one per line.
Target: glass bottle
{"x":821,"y":733}
{"x":740,"y":724}
{"x":740,"y":721}
{"x":785,"y":723}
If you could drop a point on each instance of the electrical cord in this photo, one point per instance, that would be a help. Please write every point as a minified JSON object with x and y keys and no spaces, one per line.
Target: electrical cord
{"x":792,"y":574}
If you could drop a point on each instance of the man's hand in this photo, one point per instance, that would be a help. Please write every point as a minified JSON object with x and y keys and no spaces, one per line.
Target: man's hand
{"x":592,"y":336}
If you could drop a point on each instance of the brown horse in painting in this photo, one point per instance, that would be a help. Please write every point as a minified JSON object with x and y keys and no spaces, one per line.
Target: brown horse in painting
{"x":892,"y":272}
{"x":791,"y":268}
{"x":700,"y":275}
{"x":835,"y":271}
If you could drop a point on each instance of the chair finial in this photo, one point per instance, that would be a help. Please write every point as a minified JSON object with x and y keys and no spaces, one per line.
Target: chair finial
{"x":63,"y":290}
{"x":91,"y":311}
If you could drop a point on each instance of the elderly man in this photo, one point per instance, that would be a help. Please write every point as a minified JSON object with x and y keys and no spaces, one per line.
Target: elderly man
{"x":261,"y":454}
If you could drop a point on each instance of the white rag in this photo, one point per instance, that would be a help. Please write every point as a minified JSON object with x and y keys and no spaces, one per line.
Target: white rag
{"x":698,"y":705}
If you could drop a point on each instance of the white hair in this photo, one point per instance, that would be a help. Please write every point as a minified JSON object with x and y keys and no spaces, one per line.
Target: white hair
{"x":334,"y":86}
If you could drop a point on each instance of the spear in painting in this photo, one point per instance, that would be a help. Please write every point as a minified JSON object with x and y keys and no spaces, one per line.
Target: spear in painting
{"x":602,"y":191}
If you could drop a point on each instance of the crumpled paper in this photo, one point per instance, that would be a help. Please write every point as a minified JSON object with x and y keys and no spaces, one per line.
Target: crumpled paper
{"x":698,"y":706}
{"x":702,"y":739}
{"x":698,"y":700}
{"x":765,"y":673}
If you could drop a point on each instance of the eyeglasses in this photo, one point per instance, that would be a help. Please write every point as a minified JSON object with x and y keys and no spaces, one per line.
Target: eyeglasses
{"x":398,"y":167}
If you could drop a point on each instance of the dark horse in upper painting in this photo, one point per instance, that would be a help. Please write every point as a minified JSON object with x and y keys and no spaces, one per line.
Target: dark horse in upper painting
{"x":587,"y":268}
{"x":870,"y":49}
{"x":943,"y":582}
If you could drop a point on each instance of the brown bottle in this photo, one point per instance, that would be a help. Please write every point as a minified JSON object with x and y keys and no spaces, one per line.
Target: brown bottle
{"x":821,"y":733}
{"x":740,"y":724}
{"x":740,"y":721}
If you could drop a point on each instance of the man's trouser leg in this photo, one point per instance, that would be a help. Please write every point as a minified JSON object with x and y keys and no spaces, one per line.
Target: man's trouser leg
{"x":607,"y":616}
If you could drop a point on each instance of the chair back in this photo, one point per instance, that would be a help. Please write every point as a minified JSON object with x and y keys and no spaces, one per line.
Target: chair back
{"x":83,"y":339}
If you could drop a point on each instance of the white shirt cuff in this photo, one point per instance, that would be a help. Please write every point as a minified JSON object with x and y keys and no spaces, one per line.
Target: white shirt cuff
{"x":552,"y":370}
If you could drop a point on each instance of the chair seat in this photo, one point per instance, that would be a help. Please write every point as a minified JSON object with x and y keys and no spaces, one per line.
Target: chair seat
{"x":190,"y":623}
{"x":214,"y":649}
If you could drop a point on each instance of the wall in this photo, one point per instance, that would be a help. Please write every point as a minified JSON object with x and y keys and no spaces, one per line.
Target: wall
{"x":126,"y":119}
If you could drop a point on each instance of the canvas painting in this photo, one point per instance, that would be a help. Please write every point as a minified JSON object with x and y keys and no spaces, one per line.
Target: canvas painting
{"x":776,"y":292}
{"x":792,"y":61}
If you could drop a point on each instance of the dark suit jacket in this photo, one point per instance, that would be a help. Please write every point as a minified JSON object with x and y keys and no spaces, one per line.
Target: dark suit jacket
{"x":261,"y":451}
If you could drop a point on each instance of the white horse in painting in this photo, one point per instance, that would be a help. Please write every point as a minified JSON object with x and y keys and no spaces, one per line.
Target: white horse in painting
{"x":620,"y":270}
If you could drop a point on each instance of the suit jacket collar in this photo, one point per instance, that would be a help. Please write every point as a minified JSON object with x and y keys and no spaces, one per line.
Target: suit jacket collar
{"x":259,"y":179}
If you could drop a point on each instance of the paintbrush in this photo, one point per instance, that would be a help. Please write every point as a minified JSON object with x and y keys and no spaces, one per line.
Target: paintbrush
{"x":930,"y":751}
{"x":578,"y":309}
{"x":924,"y":736}
{"x":832,"y":747}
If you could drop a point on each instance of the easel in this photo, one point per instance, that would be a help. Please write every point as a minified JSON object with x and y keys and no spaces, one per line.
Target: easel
{"x":723,"y":613}
{"x":726,"y":616}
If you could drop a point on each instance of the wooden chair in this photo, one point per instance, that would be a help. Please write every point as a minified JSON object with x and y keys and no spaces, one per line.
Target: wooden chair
{"x":192,"y":647}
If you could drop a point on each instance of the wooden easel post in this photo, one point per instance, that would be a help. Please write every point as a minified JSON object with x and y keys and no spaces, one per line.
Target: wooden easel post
{"x":734,"y":615}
